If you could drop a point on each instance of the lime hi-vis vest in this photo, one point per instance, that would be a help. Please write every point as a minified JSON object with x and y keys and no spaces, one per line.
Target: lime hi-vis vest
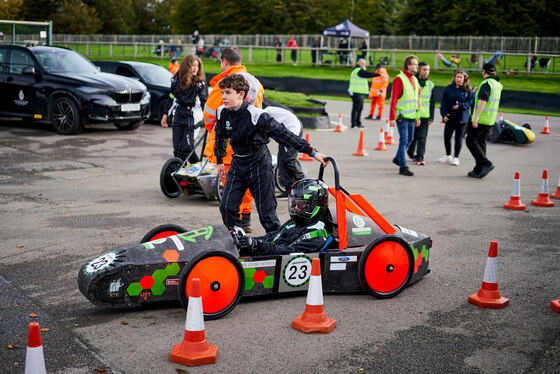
{"x":490,"y":111}
{"x":358,"y":84}
{"x":407,"y":104}
{"x":425,"y":96}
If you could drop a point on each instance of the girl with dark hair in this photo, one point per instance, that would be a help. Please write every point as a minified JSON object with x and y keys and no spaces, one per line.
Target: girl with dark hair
{"x":455,"y":110}
{"x":188,"y":84}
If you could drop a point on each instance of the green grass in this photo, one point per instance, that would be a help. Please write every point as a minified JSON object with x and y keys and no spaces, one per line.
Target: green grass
{"x":290,"y":98}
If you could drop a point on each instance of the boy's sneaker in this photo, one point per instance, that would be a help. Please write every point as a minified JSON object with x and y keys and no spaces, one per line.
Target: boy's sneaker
{"x":421,"y":163}
{"x":246,"y":222}
{"x":378,"y":118}
{"x":282,"y":196}
{"x":455,"y":161}
{"x":445,"y":159}
{"x":369,"y":117}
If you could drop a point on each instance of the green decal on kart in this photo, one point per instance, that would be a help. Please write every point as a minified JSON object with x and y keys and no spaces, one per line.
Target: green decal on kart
{"x":155,"y":282}
{"x":360,"y":228}
{"x":191,"y":235}
{"x":254,"y":276}
{"x":297,"y":271}
{"x":424,"y":253}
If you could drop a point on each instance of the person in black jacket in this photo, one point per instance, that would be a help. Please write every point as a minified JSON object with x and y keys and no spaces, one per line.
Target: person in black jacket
{"x":250,"y":129}
{"x":308,"y":229}
{"x":455,"y":110}
{"x":188,"y":84}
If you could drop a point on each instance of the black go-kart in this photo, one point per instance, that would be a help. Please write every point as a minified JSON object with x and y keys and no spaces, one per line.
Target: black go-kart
{"x":366,"y":254}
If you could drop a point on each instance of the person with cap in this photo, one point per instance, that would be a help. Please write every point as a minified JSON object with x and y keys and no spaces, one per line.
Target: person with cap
{"x":485,"y":112}
{"x":307,"y":230}
{"x":357,"y":89}
{"x":173,"y":66}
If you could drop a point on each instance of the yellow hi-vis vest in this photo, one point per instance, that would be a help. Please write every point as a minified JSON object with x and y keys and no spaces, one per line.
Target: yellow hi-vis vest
{"x":407,"y":104}
{"x":358,"y":84}
{"x":425,"y":96}
{"x":490,"y":111}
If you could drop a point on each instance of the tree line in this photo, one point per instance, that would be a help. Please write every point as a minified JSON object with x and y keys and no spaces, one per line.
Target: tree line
{"x":379,"y":17}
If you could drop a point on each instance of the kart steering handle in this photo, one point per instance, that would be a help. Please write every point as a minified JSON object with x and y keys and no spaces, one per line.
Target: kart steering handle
{"x":337,"y":185}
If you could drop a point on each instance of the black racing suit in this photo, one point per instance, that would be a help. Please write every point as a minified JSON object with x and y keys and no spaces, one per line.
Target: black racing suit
{"x":250,"y":129}
{"x":311,"y":237}
{"x":183,"y":120}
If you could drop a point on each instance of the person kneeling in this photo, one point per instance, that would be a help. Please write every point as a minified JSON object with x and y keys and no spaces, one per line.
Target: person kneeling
{"x":306,"y":231}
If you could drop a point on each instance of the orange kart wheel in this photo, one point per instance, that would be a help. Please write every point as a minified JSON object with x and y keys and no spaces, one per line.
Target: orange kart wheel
{"x":386,"y":267}
{"x":221,"y":282}
{"x":162,"y":231}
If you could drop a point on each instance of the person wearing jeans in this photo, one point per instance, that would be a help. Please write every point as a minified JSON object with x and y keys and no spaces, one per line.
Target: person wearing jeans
{"x":405,"y":109}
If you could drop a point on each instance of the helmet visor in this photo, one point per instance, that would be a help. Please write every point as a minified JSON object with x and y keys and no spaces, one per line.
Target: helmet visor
{"x":304,"y":208}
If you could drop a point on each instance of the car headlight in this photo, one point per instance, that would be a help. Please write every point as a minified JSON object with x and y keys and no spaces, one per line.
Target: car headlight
{"x":146,"y":97}
{"x":91,"y":90}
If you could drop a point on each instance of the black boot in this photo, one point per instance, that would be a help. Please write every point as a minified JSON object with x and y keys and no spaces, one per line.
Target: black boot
{"x":405,"y":171}
{"x":369,"y":117}
{"x":246,"y":222}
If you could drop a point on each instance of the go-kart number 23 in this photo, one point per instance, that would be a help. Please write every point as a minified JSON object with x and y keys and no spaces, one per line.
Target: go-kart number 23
{"x":297,"y":271}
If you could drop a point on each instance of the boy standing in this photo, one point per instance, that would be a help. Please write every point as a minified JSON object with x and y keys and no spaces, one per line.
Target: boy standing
{"x":250,"y":129}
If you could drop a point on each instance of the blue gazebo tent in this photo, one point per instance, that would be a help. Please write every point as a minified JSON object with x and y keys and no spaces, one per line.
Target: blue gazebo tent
{"x":346,"y":29}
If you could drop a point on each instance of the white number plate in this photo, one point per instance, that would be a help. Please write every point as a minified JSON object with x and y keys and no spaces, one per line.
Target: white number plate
{"x":132,"y":107}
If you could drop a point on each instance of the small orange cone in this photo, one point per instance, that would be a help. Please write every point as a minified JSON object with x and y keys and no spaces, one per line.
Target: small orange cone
{"x":501,"y":117}
{"x":556,"y":195}
{"x":314,"y":319}
{"x":542,"y":200}
{"x":34,"y":359}
{"x":514,"y":202}
{"x":339,"y":127}
{"x":381,"y":144}
{"x":390,"y":140}
{"x":555,"y":305}
{"x":386,"y":133}
{"x":488,"y":296}
{"x":194,"y":350}
{"x":546,"y":129}
{"x":305,"y":156}
{"x":361,"y":150}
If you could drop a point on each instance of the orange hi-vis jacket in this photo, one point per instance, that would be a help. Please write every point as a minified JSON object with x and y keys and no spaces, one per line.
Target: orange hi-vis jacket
{"x":379,"y":84}
{"x":173,"y":68}
{"x":254,"y":96}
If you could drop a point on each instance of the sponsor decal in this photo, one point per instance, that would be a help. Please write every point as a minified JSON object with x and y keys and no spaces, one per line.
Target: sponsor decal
{"x":358,"y":221}
{"x":100,"y":263}
{"x":228,"y":125}
{"x":361,"y":231}
{"x":409,"y":232}
{"x":145,"y":295}
{"x":258,"y":264}
{"x":21,"y":102}
{"x":338,"y":266}
{"x":172,"y":282}
{"x":297,"y":271}
{"x":344,"y":259}
{"x":115,"y":287}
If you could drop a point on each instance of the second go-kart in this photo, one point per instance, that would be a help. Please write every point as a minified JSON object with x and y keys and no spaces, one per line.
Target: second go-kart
{"x":366,"y":254}
{"x":505,"y":131}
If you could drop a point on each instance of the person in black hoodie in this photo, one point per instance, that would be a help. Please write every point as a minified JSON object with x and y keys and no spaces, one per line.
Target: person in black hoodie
{"x":455,"y":110}
{"x":188,"y":84}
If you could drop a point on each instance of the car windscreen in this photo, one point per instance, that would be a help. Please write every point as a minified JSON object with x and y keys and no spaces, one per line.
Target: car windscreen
{"x":64,"y":61}
{"x":154,"y":74}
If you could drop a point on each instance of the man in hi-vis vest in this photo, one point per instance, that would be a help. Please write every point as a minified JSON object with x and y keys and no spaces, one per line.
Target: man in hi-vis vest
{"x":486,"y":105}
{"x":417,"y":148}
{"x":405,"y":109}
{"x":357,"y":89}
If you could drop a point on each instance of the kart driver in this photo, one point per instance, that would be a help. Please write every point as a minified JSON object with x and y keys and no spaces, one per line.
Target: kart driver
{"x":307,"y":229}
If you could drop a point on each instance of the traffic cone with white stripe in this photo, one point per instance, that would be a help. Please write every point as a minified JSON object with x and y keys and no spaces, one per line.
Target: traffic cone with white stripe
{"x":390,"y":140}
{"x":194,"y":350}
{"x":556,"y":195}
{"x":305,"y":156}
{"x":542,"y":200}
{"x":361,"y":149}
{"x":387,"y":127}
{"x":546,"y":130}
{"x":381,"y":144}
{"x":501,"y":117}
{"x":514,"y":202}
{"x":555,"y":305}
{"x":339,"y":127}
{"x":488,"y":296}
{"x":314,"y":319}
{"x":34,"y":359}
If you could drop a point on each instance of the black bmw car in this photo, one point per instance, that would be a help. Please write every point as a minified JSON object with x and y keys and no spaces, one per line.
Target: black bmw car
{"x":155,"y":77}
{"x":62,"y":86}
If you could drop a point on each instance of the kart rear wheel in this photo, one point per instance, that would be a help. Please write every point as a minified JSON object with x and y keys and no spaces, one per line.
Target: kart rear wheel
{"x":277,"y":183}
{"x":494,"y":134}
{"x":527,"y":126}
{"x":220,"y":189}
{"x":222,"y":281}
{"x":386,"y":267}
{"x":167,"y":183}
{"x":162,"y":231}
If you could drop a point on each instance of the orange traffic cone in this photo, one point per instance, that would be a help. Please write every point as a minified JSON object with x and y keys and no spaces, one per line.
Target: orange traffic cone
{"x":390,"y":140}
{"x":488,"y":296}
{"x":556,"y":195}
{"x":34,"y":359}
{"x":305,"y":156}
{"x":546,"y":129}
{"x":381,"y":144}
{"x":555,"y":305}
{"x":387,"y":127}
{"x":194,"y":350}
{"x":314,"y":319}
{"x":339,"y":127}
{"x":514,"y":202}
{"x":361,"y":150}
{"x":543,"y":200}
{"x":501,"y":117}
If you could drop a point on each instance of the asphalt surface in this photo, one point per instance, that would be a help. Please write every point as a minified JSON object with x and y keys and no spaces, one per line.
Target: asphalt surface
{"x":67,"y":199}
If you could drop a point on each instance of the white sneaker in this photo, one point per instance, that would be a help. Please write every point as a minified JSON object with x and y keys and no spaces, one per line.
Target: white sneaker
{"x":445,"y":159}
{"x":455,"y":161}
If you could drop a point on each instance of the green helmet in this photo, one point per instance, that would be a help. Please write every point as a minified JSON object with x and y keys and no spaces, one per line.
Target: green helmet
{"x":307,"y":198}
